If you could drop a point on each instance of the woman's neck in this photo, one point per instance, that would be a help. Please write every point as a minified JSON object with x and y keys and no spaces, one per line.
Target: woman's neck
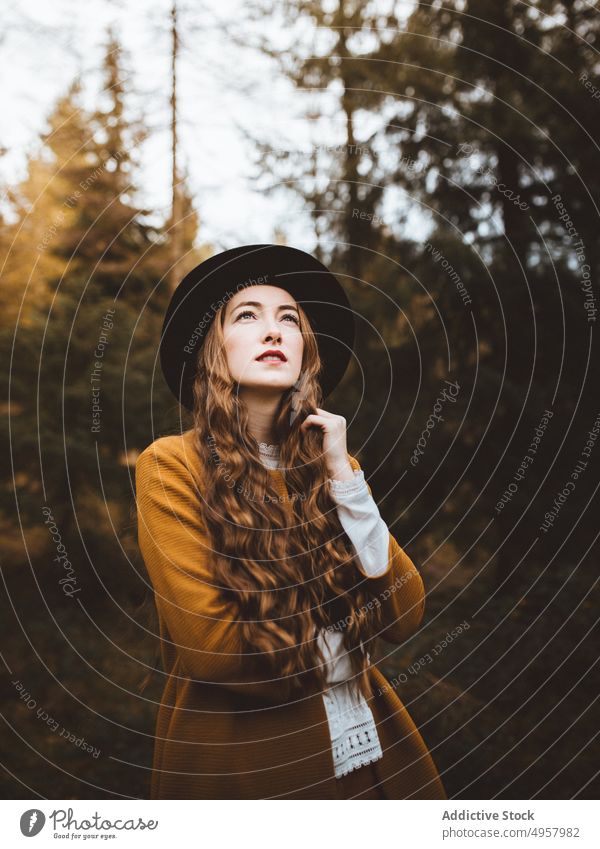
{"x":262,"y":408}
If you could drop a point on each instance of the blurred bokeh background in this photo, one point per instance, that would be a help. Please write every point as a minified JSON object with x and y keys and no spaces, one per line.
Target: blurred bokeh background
{"x":443,"y":159}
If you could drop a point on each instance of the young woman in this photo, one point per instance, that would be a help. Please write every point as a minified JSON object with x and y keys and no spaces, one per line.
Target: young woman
{"x":273,"y":571}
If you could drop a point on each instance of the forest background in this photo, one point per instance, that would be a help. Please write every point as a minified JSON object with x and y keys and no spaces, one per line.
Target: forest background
{"x":443,"y":161}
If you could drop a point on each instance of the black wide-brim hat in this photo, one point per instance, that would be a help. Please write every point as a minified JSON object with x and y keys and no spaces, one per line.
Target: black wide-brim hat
{"x":208,"y":286}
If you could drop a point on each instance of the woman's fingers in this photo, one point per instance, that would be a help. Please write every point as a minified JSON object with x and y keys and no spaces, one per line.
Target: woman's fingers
{"x":313,"y":419}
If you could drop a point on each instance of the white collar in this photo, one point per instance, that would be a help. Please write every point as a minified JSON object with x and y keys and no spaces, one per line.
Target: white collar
{"x":268,"y":449}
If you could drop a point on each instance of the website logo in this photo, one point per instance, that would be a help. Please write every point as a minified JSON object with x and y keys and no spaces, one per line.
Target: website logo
{"x":32,"y":822}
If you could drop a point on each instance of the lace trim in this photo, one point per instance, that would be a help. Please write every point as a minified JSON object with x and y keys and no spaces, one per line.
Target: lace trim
{"x":271,"y":449}
{"x":354,"y":738}
{"x":349,"y":487}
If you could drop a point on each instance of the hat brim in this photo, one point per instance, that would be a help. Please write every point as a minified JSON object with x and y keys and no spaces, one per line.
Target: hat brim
{"x":201,"y":293}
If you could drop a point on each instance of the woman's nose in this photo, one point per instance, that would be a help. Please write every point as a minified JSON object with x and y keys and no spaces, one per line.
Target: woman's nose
{"x":271,"y":329}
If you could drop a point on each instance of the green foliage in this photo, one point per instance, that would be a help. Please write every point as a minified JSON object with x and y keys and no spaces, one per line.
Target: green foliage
{"x":453,"y":279}
{"x":84,"y":371}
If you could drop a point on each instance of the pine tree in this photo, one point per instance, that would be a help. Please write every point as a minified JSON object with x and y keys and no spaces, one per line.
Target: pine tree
{"x":495,"y":118}
{"x":327,"y":58}
{"x":331,"y":56}
{"x":477,"y":117}
{"x":86,"y":390}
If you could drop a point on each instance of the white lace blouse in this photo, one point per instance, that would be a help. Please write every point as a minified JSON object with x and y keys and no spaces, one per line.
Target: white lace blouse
{"x":354,"y":738}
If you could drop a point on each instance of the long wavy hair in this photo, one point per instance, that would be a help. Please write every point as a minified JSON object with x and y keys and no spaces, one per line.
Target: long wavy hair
{"x":288,"y":575}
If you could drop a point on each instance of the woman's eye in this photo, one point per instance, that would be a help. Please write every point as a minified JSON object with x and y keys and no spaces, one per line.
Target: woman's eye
{"x":287,"y":315}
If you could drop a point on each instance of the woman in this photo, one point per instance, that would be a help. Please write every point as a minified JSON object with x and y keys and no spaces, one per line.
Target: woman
{"x":272,"y":569}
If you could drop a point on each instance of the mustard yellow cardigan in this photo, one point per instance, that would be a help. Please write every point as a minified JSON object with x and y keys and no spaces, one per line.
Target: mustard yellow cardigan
{"x":223,"y":728}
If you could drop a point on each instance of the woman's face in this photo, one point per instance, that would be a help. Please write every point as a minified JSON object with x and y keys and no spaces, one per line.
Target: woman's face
{"x":258,"y":319}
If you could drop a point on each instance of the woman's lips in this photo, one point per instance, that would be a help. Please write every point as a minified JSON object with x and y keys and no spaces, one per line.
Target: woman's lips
{"x":271,"y":355}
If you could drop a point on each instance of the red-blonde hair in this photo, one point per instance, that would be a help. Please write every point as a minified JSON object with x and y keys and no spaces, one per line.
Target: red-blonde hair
{"x":286,"y":578}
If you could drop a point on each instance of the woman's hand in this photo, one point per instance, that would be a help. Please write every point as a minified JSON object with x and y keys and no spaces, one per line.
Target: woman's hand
{"x":335,"y":451}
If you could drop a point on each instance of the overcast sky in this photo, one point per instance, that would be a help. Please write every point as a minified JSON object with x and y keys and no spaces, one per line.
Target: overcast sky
{"x":221,"y":87}
{"x":46,"y":45}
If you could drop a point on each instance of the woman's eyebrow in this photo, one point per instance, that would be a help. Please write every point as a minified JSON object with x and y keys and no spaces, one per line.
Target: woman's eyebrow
{"x":258,"y":304}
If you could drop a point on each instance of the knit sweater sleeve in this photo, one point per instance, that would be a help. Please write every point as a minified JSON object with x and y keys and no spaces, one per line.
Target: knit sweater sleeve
{"x":203,"y":626}
{"x":399,"y":591}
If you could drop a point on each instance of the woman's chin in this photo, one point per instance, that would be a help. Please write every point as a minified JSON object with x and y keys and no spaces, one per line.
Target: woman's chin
{"x":275,"y":383}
